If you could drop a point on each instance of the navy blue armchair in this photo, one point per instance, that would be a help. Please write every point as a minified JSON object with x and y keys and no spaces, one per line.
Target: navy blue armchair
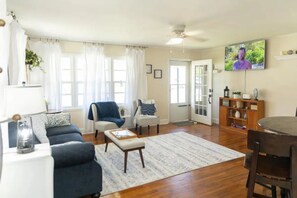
{"x":105,"y":116}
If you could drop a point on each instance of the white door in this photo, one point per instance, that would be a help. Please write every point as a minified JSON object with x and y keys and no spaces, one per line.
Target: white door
{"x":179,"y":90}
{"x":201,"y":91}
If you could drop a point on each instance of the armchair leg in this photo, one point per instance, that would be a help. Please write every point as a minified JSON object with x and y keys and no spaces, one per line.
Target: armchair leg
{"x":148,"y":129}
{"x":106,"y":141}
{"x":96,"y":195}
{"x":136,"y":126}
{"x":96,"y":133}
{"x":157,"y":129}
{"x":140,"y":128}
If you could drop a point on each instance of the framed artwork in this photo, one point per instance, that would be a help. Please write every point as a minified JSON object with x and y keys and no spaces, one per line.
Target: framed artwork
{"x":149,"y":68}
{"x":158,"y":73}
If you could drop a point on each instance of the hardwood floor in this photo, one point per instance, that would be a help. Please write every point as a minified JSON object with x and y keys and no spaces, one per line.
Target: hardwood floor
{"x":222,"y":180}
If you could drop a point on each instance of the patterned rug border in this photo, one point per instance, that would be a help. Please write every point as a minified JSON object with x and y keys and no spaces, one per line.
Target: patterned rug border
{"x":195,"y":154}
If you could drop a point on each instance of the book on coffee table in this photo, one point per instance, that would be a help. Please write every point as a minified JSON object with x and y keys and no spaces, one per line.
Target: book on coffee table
{"x":122,"y":134}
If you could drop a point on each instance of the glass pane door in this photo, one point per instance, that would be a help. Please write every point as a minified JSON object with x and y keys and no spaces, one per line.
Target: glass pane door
{"x":201,"y":91}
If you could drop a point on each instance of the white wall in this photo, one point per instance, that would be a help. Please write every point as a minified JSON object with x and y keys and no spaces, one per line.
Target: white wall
{"x":276,"y":84}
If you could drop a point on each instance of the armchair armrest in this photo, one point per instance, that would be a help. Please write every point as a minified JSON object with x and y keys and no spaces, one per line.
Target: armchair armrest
{"x":72,"y":153}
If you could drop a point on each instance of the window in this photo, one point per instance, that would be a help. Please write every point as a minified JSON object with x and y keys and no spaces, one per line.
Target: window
{"x":73,"y":74}
{"x":115,"y":71}
{"x":178,"y":84}
{"x":72,"y":78}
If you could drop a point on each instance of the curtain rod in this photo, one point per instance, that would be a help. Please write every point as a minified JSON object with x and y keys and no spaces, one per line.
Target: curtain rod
{"x":84,"y":42}
{"x":57,"y":40}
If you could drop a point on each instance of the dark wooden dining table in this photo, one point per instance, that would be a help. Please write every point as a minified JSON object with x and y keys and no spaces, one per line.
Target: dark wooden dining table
{"x":280,"y":124}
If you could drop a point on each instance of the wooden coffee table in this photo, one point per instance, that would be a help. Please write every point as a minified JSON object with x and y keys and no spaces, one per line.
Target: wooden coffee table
{"x":127,"y":143}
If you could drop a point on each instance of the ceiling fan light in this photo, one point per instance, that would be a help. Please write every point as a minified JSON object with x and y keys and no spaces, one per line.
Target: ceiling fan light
{"x":175,"y":41}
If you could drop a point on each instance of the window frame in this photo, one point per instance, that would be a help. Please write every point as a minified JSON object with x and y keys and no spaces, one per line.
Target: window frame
{"x":110,"y":60}
{"x":74,"y":82}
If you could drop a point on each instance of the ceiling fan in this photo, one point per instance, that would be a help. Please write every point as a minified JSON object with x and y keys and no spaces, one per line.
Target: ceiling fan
{"x":179,"y":35}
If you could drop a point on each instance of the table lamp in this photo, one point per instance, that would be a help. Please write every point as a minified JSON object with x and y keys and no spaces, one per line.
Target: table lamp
{"x":20,"y":102}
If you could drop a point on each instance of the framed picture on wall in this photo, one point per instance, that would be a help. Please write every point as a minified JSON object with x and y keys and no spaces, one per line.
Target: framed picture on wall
{"x":158,"y":73}
{"x":149,"y":68}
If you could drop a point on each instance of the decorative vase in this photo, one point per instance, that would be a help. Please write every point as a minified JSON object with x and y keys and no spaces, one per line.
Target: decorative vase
{"x":235,"y":96}
{"x":237,"y":114}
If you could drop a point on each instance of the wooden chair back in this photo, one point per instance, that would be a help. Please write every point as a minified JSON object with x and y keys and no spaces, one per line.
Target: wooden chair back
{"x":270,"y":143}
{"x":274,"y":161}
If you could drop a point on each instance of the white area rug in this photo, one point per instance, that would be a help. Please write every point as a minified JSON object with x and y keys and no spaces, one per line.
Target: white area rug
{"x":164,"y":156}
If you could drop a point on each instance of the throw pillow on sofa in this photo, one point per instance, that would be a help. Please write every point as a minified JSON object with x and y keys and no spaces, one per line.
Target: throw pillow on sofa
{"x":56,"y":120}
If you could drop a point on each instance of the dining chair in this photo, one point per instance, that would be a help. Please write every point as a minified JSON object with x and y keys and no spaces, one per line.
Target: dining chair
{"x":272,"y":162}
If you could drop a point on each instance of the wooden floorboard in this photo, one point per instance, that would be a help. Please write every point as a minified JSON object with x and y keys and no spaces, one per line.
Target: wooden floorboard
{"x":222,"y":180}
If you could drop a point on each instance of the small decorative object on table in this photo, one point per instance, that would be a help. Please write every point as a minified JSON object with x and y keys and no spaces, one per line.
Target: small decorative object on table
{"x":236,"y":94}
{"x":122,"y":134}
{"x":226,"y":92}
{"x":237,"y":114}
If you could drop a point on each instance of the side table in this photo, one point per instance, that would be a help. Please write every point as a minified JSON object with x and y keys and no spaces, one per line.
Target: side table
{"x":28,"y":175}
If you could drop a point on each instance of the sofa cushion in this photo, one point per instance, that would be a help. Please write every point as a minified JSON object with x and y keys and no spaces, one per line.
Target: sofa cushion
{"x":72,"y":153}
{"x":56,"y":120}
{"x":60,"y":139}
{"x":62,"y":130}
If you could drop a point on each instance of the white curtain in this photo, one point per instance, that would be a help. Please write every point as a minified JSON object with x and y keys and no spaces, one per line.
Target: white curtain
{"x":136,"y":77}
{"x":4,"y":38}
{"x":17,"y":68}
{"x":4,"y":54}
{"x":95,"y":78}
{"x":50,"y":76}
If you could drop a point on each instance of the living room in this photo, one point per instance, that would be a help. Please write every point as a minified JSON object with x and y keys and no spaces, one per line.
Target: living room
{"x":273,"y":83}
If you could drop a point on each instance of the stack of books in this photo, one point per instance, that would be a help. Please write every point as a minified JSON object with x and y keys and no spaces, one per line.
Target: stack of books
{"x":123,"y":134}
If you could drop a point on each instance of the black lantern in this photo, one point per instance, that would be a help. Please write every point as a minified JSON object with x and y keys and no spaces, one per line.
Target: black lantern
{"x":226,"y":92}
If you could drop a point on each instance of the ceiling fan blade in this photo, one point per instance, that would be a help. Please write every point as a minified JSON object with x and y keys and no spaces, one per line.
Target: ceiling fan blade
{"x":193,"y":33}
{"x":196,"y":39}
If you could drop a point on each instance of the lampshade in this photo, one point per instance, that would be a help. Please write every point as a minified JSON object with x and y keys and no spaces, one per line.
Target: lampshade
{"x":24,"y":100}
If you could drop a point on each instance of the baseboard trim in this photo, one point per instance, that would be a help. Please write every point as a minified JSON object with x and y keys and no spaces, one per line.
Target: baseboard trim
{"x":215,"y":120}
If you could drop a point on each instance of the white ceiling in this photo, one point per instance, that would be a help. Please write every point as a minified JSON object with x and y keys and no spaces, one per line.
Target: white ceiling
{"x":148,"y":22}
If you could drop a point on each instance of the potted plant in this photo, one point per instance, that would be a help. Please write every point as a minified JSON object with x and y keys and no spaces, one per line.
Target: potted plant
{"x":33,"y":60}
{"x":236,"y":94}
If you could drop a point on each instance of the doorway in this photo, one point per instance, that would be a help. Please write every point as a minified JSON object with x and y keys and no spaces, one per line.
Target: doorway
{"x":179,"y":89}
{"x":201,"y":91}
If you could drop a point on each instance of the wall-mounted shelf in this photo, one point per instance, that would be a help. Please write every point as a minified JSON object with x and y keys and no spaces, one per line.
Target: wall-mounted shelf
{"x":286,"y":57}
